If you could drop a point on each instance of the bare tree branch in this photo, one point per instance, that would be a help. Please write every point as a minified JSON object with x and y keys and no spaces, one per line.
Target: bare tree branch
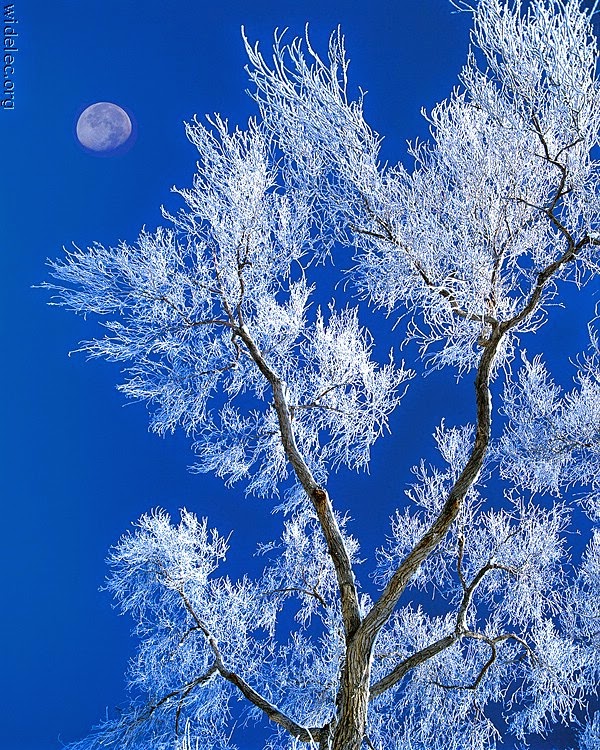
{"x":304,"y":734}
{"x":318,"y":495}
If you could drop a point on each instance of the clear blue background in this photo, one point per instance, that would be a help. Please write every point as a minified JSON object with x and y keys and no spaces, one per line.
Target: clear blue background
{"x":77,"y":467}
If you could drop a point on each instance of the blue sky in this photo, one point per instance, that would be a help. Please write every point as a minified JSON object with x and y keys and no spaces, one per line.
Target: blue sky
{"x":77,"y":466}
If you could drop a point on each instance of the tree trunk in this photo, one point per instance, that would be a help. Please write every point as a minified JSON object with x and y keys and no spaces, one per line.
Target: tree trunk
{"x":353,"y":698}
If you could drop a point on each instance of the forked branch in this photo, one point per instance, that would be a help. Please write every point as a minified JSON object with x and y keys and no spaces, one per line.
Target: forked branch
{"x":318,"y":495}
{"x":304,"y":734}
{"x":461,"y":630}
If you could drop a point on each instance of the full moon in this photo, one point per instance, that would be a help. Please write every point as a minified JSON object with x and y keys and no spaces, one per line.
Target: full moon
{"x":103,"y":127}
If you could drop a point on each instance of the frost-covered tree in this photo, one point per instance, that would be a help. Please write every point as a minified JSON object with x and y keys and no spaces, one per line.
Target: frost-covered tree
{"x":466,"y":251}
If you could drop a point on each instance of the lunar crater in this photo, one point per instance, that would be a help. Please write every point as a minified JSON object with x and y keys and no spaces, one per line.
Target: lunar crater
{"x":103,"y":127}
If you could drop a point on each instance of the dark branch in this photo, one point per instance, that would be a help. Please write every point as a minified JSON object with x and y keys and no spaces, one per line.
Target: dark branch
{"x":304,"y":734}
{"x":424,"y":654}
{"x":387,"y":235}
{"x":318,"y":495}
{"x":419,"y":657}
{"x":480,"y":676}
{"x":296,"y":589}
{"x":492,"y":643}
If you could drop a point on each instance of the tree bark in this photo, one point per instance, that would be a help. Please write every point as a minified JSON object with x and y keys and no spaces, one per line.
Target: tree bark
{"x":354,"y":693}
{"x":353,"y":698}
{"x":318,"y":495}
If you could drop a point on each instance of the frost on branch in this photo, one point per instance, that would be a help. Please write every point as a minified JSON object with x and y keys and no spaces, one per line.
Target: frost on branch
{"x":583,"y":614}
{"x":504,"y":188}
{"x":425,"y":497}
{"x":503,"y":576}
{"x":302,"y":569}
{"x":552,"y":440}
{"x":589,"y":738}
{"x":182,"y":308}
{"x":339,"y":401}
{"x":206,"y":640}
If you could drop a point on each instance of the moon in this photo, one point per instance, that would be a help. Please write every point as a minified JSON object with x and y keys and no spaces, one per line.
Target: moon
{"x":103,"y":127}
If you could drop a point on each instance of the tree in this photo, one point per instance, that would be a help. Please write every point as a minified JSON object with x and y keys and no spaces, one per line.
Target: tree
{"x":466,"y":252}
